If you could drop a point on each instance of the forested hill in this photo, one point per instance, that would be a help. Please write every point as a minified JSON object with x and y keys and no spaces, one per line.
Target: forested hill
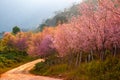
{"x":60,"y":17}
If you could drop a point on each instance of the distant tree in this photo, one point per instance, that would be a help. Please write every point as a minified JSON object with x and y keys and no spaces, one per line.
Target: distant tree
{"x":61,"y":20}
{"x":15,"y":30}
{"x":42,"y":26}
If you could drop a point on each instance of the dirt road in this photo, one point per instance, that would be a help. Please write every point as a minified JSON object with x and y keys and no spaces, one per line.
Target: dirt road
{"x":22,"y":73}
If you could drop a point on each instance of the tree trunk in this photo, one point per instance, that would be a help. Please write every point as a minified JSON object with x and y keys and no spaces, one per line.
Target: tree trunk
{"x":80,"y":58}
{"x":115,"y":50}
{"x":77,"y":59}
{"x":89,"y":56}
{"x":103,"y":55}
{"x":92,"y":55}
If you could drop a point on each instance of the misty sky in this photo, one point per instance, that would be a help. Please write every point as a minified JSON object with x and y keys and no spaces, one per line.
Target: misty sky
{"x":28,"y":14}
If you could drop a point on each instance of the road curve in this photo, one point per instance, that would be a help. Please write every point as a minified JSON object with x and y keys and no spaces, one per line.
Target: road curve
{"x":22,"y":73}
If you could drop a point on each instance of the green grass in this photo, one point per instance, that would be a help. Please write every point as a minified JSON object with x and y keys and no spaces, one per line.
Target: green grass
{"x":94,"y":70}
{"x":11,"y":60}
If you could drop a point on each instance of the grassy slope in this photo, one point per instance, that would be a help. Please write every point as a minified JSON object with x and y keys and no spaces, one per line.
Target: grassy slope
{"x":12,"y":60}
{"x":94,"y":70}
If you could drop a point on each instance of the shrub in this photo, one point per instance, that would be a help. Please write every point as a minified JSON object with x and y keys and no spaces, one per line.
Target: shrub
{"x":107,"y":70}
{"x":11,"y":60}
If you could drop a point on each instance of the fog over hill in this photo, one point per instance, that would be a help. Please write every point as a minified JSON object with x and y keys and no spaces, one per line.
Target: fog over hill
{"x":29,"y":13}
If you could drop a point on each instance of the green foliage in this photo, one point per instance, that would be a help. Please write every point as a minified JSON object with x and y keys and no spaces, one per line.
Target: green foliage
{"x":108,"y":70}
{"x":11,"y":60}
{"x":2,"y":46}
{"x":40,"y":67}
{"x":56,"y":70}
{"x":41,"y":27}
{"x":15,"y":30}
{"x":61,"y":20}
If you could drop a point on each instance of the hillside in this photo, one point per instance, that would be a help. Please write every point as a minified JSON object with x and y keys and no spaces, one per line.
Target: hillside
{"x":83,"y":46}
{"x":60,"y":17}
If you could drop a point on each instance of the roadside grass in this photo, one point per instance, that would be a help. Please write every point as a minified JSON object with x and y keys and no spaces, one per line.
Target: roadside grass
{"x":13,"y":59}
{"x":94,"y":70}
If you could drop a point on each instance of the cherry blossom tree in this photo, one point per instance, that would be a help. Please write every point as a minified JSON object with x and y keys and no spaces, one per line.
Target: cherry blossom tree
{"x":95,"y":29}
{"x":34,"y":42}
{"x":41,"y":43}
{"x":21,"y":41}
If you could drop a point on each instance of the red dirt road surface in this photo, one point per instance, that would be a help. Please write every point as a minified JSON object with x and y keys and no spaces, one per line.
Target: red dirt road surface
{"x":22,"y":73}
